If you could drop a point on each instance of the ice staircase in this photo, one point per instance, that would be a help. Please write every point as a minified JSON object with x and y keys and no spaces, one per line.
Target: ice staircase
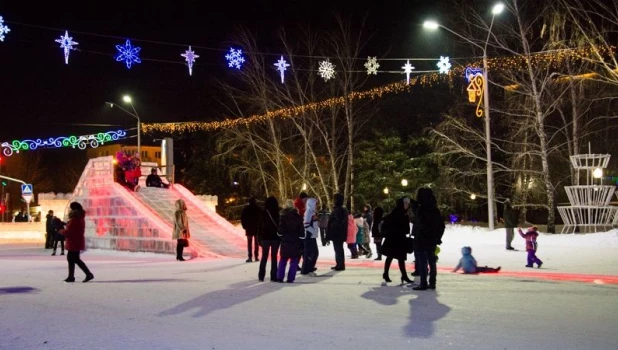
{"x":119,"y":219}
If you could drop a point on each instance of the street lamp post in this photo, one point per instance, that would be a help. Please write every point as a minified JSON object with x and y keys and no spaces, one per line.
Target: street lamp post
{"x":497,"y":9}
{"x":127,"y":99}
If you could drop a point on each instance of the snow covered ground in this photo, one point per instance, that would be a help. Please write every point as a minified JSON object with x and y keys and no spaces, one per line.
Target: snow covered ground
{"x":149,"y":301}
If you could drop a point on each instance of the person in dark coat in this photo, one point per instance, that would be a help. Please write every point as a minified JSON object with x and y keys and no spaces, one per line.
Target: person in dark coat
{"x":269,"y":238}
{"x":323,"y":216}
{"x":378,"y":214}
{"x":428,"y":231}
{"x":337,"y":231}
{"x":511,"y":220}
{"x":49,"y":230}
{"x":291,"y":231}
{"x":154,"y":180}
{"x":396,"y":228}
{"x":76,"y":242}
{"x":250,"y":219}
{"x":58,"y":225}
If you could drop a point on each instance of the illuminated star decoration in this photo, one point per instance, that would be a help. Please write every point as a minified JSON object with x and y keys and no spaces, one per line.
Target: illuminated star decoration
{"x":372,"y":65}
{"x":66,"y":42}
{"x":190,"y":57}
{"x":326,"y":70}
{"x":444,"y":65}
{"x":127,"y":53}
{"x":407,"y":68}
{"x":235,"y":59}
{"x":3,"y":29}
{"x":281,"y":67}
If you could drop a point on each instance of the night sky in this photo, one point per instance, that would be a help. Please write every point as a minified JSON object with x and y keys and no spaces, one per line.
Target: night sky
{"x":40,"y":96}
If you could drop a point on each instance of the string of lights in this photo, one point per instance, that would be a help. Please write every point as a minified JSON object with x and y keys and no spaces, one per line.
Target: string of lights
{"x":553,"y":59}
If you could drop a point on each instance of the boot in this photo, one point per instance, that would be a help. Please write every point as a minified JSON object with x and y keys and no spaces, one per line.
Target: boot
{"x":386,"y":278}
{"x":53,"y":253}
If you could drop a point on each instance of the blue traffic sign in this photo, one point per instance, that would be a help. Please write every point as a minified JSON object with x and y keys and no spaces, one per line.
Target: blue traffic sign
{"x":26,"y":189}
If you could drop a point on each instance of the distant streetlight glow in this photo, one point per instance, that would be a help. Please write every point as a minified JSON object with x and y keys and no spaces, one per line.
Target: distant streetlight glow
{"x":404,"y":182}
{"x":473,"y":196}
{"x":497,"y":9}
{"x":433,"y":25}
{"x":597,"y":173}
{"x":385,"y":190}
{"x":126,"y":98}
{"x":304,"y":187}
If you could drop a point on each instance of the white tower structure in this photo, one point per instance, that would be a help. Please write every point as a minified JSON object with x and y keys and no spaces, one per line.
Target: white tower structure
{"x":589,"y":210}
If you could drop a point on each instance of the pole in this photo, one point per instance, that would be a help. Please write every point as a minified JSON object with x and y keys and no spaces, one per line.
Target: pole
{"x":139,"y":138}
{"x":490,"y":173}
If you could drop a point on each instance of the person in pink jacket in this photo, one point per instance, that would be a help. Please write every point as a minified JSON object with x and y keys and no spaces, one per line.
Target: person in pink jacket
{"x":351,"y":240}
{"x":531,"y":246}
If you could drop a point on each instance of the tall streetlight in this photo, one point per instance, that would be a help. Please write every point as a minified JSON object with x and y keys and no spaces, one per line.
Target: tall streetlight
{"x":127,"y":99}
{"x":433,"y":25}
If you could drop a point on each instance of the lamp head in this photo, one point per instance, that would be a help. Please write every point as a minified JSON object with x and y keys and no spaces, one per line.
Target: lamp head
{"x":126,"y":98}
{"x":431,"y":25}
{"x":497,"y":9}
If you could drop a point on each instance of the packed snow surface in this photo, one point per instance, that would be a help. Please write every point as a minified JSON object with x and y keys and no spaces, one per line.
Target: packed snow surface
{"x":151,"y":301}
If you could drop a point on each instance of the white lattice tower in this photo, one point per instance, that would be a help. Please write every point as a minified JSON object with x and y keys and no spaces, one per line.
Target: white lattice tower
{"x":589,"y":207}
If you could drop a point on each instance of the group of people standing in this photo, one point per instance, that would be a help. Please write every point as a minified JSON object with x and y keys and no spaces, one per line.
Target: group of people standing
{"x":294,"y":231}
{"x":291,"y":233}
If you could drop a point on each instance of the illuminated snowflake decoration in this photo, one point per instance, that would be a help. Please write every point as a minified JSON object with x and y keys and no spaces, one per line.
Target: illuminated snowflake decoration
{"x":235,"y":58}
{"x":407,"y":68}
{"x":66,"y":42}
{"x":282,"y":66}
{"x":326,"y":70}
{"x":128,"y":53}
{"x":3,"y":29}
{"x":190,"y":57}
{"x":444,"y":65}
{"x":372,"y":65}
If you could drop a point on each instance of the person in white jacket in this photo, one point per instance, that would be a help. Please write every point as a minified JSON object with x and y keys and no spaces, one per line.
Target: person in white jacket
{"x":311,"y":253}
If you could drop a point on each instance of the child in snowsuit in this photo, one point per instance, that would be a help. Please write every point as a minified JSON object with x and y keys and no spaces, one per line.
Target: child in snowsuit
{"x":531,"y":245}
{"x":468,"y":263}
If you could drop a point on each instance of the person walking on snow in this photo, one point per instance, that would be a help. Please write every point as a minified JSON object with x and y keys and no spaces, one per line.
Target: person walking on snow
{"x":531,"y":245}
{"x":291,"y":231}
{"x":181,"y":231}
{"x":376,"y":234}
{"x":299,"y":204}
{"x":511,"y":218}
{"x":351,"y":239}
{"x":337,"y":231}
{"x":311,"y":251}
{"x":323,"y":216}
{"x":428,"y":230}
{"x":76,"y":242}
{"x":396,"y":227}
{"x":269,"y":238}
{"x":250,"y":219}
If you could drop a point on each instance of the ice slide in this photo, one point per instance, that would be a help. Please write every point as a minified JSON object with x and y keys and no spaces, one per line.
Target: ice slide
{"x":119,"y":219}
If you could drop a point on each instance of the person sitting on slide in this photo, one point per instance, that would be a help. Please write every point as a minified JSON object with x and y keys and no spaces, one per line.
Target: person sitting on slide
{"x":153,"y":180}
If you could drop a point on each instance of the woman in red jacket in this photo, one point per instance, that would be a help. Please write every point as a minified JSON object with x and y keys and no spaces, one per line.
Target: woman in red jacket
{"x":75,"y":241}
